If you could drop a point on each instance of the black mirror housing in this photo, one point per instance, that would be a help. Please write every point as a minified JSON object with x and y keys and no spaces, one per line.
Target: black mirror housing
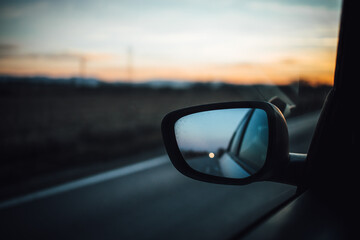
{"x":277,"y":157}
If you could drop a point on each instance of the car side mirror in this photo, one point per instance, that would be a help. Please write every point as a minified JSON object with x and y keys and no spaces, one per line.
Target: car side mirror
{"x":228,"y":143}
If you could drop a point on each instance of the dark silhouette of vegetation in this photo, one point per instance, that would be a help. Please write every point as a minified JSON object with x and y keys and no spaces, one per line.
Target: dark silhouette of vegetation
{"x":52,"y":125}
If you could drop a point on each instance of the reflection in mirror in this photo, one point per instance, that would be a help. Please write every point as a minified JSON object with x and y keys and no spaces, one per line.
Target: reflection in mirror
{"x":228,"y":143}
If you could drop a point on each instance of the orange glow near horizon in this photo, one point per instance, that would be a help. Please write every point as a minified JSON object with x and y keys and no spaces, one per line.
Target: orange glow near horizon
{"x":247,"y":74}
{"x":241,"y":42}
{"x":315,"y":68}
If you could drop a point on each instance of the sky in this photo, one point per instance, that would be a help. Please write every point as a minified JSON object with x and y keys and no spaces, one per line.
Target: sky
{"x":255,"y":41}
{"x":202,"y":132}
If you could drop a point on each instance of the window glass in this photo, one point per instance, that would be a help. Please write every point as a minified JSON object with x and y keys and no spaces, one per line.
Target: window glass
{"x":84,"y":86}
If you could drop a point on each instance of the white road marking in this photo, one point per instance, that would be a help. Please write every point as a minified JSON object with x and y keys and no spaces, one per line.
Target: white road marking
{"x":101,"y":177}
{"x":295,"y":125}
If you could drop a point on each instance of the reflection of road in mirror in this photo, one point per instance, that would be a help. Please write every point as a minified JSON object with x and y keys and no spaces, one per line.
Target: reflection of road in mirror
{"x":208,"y":164}
{"x":216,"y":165}
{"x":204,"y":137}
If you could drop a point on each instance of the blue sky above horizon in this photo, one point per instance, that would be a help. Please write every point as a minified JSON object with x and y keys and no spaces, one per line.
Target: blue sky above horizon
{"x":233,"y":41}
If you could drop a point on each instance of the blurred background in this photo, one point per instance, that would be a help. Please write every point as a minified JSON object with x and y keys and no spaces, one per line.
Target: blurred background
{"x":84,"y":84}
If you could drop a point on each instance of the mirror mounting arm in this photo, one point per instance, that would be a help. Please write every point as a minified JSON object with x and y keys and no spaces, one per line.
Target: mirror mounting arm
{"x":293,"y":173}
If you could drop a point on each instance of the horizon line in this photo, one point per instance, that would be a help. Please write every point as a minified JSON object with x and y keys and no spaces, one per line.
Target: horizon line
{"x":175,"y":80}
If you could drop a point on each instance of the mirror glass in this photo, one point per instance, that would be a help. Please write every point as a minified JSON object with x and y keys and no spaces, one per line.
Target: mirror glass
{"x":228,"y":143}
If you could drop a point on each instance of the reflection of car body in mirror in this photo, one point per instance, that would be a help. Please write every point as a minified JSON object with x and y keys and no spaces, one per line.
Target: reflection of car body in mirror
{"x":246,"y":152}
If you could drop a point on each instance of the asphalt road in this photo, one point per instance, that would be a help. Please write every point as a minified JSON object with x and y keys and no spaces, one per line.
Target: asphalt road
{"x":146,"y":200}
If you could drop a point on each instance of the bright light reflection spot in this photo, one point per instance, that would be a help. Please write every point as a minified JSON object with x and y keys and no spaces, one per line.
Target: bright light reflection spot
{"x":211,"y":155}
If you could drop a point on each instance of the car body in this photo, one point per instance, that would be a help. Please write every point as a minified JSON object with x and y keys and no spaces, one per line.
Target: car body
{"x":324,"y":206}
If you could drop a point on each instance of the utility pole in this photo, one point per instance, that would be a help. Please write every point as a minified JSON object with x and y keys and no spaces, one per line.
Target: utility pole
{"x":82,"y":66}
{"x":130,"y":64}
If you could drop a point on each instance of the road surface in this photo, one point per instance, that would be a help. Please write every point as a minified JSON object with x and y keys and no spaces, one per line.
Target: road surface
{"x":146,"y":200}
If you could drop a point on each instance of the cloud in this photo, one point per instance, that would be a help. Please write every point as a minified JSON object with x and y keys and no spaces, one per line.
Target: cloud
{"x":16,"y":9}
{"x":303,"y":9}
{"x":7,"y":52}
{"x":289,"y":61}
{"x":8,"y":49}
{"x":8,"y":46}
